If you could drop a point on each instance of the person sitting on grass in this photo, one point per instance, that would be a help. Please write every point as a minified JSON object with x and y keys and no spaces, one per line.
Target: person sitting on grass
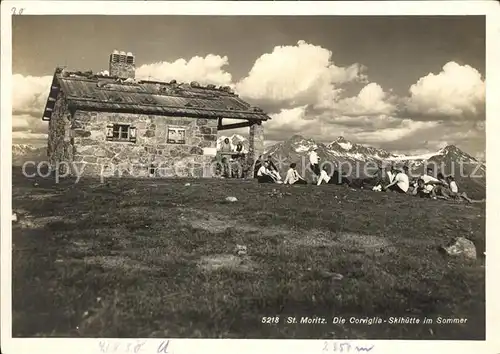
{"x":292,"y":176}
{"x":274,"y":170}
{"x":441,"y":190}
{"x":314,"y":163}
{"x":413,"y":185}
{"x":264,"y":175}
{"x":429,"y":180}
{"x":257,"y":166}
{"x":325,"y":177}
{"x":420,"y":190}
{"x":400,"y":182}
{"x":380,"y":178}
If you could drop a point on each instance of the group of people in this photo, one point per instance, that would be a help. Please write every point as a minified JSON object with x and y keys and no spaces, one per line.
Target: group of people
{"x":266,"y":172}
{"x":397,"y":180}
{"x":425,"y":186}
{"x":232,"y":160}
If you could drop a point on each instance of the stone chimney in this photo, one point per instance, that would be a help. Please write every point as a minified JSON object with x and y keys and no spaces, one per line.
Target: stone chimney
{"x":122,"y":65}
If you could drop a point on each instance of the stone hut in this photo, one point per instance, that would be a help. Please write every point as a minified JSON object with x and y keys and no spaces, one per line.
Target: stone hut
{"x":117,"y":125}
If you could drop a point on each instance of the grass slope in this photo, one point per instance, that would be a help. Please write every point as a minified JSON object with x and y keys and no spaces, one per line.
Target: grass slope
{"x":123,"y":260}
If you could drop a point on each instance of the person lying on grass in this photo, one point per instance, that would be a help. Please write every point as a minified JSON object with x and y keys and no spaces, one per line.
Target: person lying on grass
{"x":292,"y":176}
{"x":336,"y":178}
{"x":400,"y":182}
{"x":264,"y":175}
{"x":449,"y":190}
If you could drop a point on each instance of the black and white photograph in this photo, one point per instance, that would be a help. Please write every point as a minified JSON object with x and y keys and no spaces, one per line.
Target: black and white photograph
{"x":273,"y":176}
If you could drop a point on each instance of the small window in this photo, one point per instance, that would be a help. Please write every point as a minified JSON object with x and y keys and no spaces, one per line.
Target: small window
{"x":176,"y":136}
{"x":121,"y":132}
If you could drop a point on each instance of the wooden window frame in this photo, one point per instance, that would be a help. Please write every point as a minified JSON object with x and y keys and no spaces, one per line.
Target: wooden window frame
{"x":120,"y":132}
{"x":176,"y":141}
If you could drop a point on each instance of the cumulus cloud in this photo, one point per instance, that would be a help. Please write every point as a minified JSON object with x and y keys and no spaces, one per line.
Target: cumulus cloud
{"x":297,"y":75}
{"x":371,"y":100}
{"x":29,"y":93}
{"x":457,"y":91}
{"x":205,"y":70}
{"x":294,"y":119}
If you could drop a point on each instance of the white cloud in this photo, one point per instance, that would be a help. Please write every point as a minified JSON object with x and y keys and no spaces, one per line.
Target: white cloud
{"x":457,"y":91}
{"x":21,"y":122}
{"x":300,"y":74}
{"x":293,"y":119}
{"x":28,"y":122}
{"x":207,"y":70}
{"x":371,"y":100}
{"x":405,"y":129}
{"x":28,"y":135}
{"x":30,"y":93}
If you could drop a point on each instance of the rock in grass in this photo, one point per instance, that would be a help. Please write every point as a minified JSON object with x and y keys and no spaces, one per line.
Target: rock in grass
{"x":461,"y":246}
{"x":231,"y":199}
{"x":187,"y":184}
{"x":241,"y":250}
{"x":331,"y":275}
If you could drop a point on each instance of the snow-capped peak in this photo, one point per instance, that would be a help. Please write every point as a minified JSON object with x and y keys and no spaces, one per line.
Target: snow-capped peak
{"x":346,"y":146}
{"x":342,"y":142}
{"x":21,"y":149}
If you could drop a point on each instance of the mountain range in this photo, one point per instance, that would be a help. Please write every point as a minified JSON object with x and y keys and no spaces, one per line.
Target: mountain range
{"x":26,"y":152}
{"x":364,"y":160}
{"x":341,"y":150}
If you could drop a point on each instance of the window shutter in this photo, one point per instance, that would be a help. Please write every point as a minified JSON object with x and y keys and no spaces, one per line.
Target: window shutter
{"x":109,"y":132}
{"x":132,"y":134}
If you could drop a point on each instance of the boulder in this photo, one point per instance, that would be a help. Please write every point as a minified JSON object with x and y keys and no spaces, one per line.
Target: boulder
{"x":231,"y":199}
{"x":461,"y":246}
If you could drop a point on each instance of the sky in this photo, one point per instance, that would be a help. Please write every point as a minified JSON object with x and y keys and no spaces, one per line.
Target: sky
{"x":409,"y":84}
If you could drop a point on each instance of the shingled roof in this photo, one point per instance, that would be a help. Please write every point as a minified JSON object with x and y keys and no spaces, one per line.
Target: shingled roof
{"x":87,"y":91}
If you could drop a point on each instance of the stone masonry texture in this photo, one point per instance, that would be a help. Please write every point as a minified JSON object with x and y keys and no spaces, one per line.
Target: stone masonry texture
{"x":80,"y":140}
{"x":122,"y":70}
{"x":256,"y":143}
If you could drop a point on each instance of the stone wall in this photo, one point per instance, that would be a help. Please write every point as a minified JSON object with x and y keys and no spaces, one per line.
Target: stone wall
{"x":256,"y":143}
{"x":97,"y":156}
{"x":59,"y":146}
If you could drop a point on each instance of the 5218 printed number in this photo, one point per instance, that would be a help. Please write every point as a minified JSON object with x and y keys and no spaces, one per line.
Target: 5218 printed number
{"x":270,"y":320}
